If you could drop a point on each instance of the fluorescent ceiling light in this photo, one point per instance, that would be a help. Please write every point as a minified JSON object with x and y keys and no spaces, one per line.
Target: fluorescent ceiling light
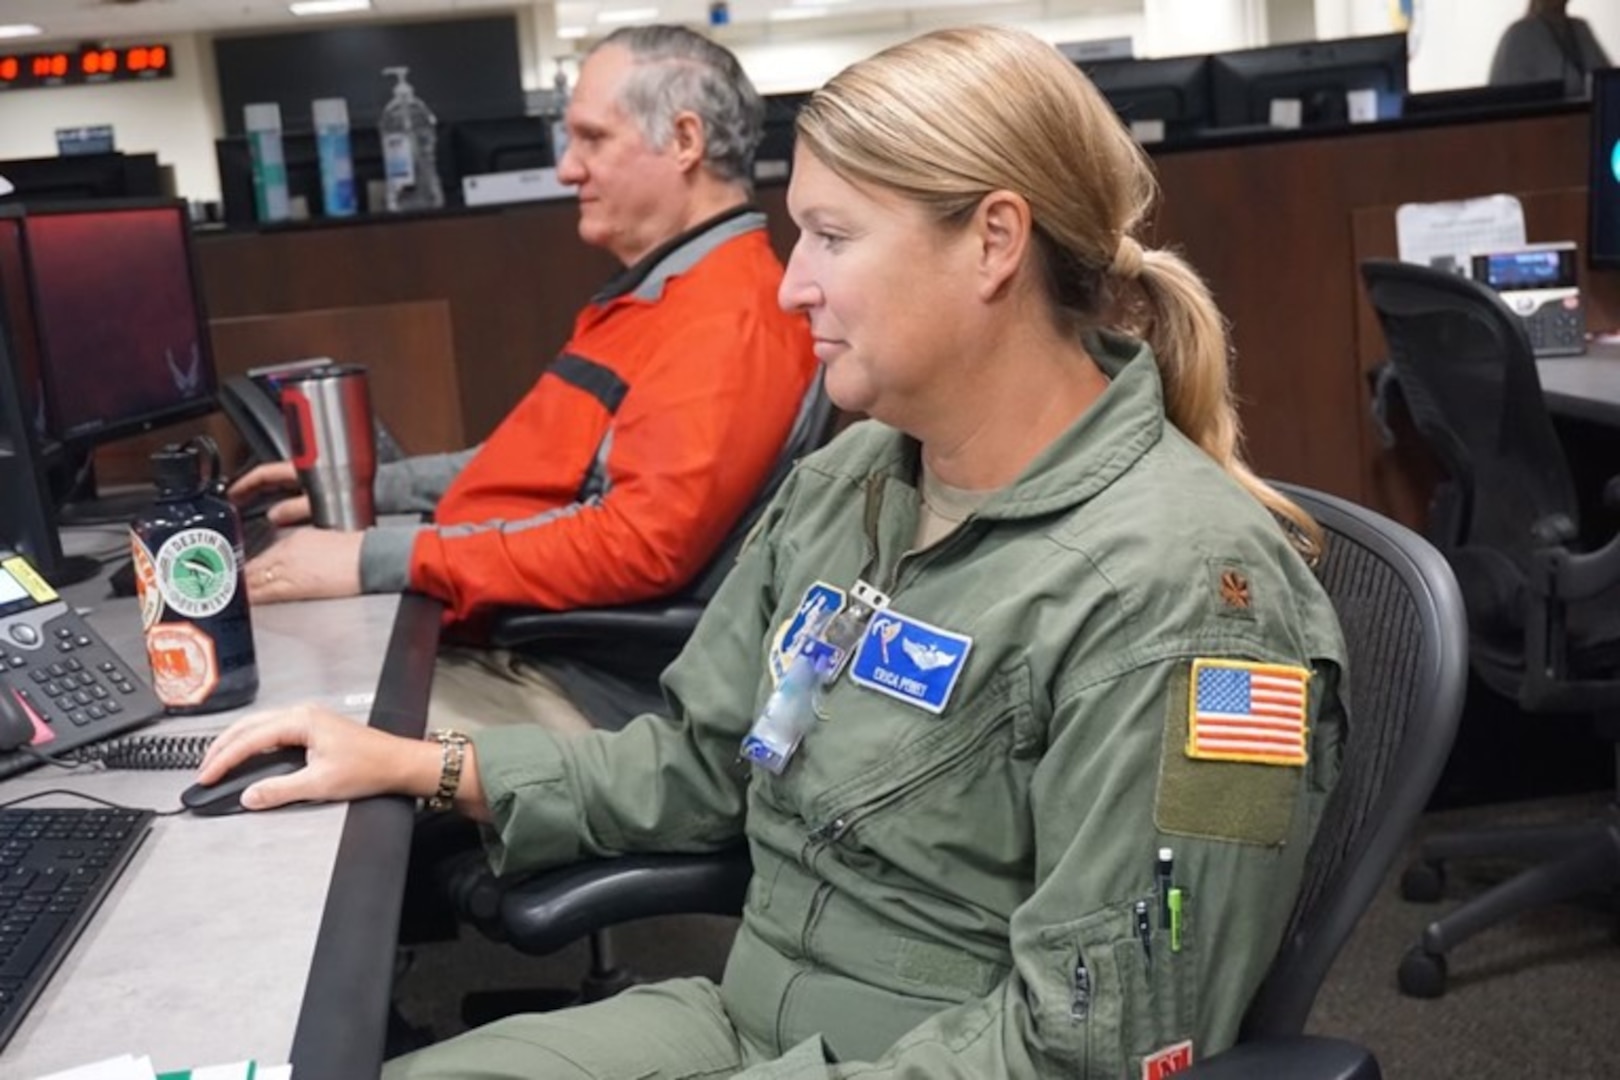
{"x":16,"y":30}
{"x":793,"y":14}
{"x":328,"y":7}
{"x":628,"y":15}
{"x":572,"y":33}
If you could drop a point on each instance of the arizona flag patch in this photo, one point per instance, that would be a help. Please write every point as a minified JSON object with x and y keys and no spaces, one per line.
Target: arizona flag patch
{"x":1241,"y":711}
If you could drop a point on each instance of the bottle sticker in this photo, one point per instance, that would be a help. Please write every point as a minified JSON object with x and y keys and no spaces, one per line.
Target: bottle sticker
{"x":196,"y":573}
{"x":185,"y":669}
{"x":146,"y":583}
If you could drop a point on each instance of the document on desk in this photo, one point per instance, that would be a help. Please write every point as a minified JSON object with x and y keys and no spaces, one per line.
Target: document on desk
{"x":130,"y":1067}
{"x":1445,"y":234}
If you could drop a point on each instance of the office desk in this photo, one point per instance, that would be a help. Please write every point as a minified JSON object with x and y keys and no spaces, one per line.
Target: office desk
{"x":1583,"y":387}
{"x":267,"y":936}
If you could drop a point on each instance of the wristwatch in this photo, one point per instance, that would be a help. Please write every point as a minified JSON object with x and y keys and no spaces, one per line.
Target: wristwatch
{"x":453,"y":746}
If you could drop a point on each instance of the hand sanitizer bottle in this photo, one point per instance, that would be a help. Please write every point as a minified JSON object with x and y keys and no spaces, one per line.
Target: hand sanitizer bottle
{"x":409,"y":144}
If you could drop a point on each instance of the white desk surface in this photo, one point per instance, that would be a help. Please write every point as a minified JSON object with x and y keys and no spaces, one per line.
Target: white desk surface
{"x":201,"y":953}
{"x":1585,"y":387}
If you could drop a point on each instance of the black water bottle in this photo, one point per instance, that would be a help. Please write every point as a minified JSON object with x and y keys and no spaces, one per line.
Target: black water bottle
{"x":193,"y":594}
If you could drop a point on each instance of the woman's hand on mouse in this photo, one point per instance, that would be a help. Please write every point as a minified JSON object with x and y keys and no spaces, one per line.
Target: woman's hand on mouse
{"x":346,"y":759}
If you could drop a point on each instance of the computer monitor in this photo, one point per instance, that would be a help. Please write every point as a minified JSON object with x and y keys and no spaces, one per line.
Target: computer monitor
{"x":303,"y":165}
{"x":1317,"y":74}
{"x":1603,"y":183}
{"x":118,"y":313}
{"x":28,"y":521}
{"x":502,"y":144}
{"x":1170,"y":94}
{"x":16,"y":305}
{"x":773,"y":158}
{"x":83,"y":176}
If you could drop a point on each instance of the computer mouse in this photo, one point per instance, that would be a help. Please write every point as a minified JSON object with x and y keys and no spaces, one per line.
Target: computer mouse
{"x":225,"y":795}
{"x":16,"y":726}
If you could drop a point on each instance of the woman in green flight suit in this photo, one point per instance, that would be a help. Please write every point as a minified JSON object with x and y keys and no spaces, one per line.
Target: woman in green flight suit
{"x":1085,"y":638}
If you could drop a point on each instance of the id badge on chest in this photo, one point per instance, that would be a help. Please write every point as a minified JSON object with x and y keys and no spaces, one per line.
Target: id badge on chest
{"x":823,"y":636}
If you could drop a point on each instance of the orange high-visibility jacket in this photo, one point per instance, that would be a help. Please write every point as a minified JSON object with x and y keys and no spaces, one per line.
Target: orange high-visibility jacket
{"x":619,"y":474}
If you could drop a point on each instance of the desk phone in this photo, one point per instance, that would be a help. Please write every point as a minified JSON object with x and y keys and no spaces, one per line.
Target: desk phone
{"x":1539,"y":284}
{"x":79,"y":690}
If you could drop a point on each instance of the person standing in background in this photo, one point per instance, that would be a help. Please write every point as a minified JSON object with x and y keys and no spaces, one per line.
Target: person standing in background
{"x":1548,"y":45}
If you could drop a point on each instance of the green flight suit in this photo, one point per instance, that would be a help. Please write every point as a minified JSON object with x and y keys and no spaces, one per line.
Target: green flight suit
{"x":954,"y":894}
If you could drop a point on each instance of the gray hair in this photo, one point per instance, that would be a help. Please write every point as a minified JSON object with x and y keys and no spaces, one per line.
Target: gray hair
{"x":678,"y":71}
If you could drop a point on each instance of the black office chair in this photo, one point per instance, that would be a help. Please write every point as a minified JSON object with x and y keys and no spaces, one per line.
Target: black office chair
{"x":1543,"y":615}
{"x":1404,"y":627}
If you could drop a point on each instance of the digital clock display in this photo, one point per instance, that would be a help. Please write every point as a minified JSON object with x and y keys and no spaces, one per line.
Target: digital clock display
{"x":22,"y":70}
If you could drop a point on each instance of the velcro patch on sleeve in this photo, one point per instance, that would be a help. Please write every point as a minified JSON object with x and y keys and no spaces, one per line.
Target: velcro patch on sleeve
{"x":1242,"y":711}
{"x":1168,"y":1061}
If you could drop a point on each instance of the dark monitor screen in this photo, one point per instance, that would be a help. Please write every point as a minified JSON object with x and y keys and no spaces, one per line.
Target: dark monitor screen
{"x":1317,"y":74}
{"x":17,"y":309}
{"x":27,"y":521}
{"x":123,"y":338}
{"x":83,"y":176}
{"x":303,"y":165}
{"x":1173,"y":90}
{"x":774,"y":156}
{"x":503,"y":144}
{"x":1603,"y":184}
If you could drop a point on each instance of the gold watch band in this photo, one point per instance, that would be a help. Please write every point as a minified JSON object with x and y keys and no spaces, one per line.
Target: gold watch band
{"x":453,"y":749}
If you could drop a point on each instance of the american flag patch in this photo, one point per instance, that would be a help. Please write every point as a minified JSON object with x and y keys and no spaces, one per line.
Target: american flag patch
{"x":1247,"y":712}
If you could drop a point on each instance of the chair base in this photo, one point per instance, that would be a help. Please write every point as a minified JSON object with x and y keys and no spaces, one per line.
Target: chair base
{"x":1573,"y":860}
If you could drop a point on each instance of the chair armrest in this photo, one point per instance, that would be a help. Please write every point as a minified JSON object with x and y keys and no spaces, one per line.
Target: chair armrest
{"x":1563,"y":575}
{"x":1300,"y":1057}
{"x":542,"y":912}
{"x":658,"y":622}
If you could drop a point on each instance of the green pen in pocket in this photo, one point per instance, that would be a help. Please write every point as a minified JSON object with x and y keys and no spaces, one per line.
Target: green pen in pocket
{"x":1174,"y":899}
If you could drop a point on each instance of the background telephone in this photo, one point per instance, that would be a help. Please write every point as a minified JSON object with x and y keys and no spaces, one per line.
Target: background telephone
{"x":253,"y":404}
{"x":1539,"y":283}
{"x":77,"y":688}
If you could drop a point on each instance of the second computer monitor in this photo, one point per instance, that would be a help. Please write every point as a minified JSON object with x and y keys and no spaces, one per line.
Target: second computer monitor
{"x":506,"y":144}
{"x":119,"y":320}
{"x":1317,"y":74}
{"x":1162,"y":99}
{"x":1603,"y":184}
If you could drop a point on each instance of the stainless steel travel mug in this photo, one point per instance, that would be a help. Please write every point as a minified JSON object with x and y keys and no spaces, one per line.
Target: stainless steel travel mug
{"x":328,"y":414}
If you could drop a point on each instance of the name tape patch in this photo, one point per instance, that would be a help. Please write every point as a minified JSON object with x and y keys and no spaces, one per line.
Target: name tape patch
{"x":910,"y":660}
{"x":1240,"y":711}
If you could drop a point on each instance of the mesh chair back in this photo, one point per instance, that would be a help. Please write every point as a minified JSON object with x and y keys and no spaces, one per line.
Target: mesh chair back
{"x":1468,"y":374}
{"x":1402,"y":617}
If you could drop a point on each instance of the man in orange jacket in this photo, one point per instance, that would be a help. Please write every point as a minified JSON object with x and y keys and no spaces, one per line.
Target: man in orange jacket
{"x":620,"y":473}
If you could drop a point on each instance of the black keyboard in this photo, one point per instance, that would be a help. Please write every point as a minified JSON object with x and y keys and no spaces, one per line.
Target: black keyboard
{"x":56,"y":866}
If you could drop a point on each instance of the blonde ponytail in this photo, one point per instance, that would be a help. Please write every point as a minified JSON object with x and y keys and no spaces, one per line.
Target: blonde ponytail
{"x":1188,"y":337}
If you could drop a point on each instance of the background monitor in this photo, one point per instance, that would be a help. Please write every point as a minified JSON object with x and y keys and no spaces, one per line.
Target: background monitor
{"x":462,"y":68}
{"x":84,"y":176}
{"x":118,"y":312}
{"x":1172,"y":90}
{"x":16,"y":307}
{"x":1317,"y":74}
{"x":28,"y":522}
{"x":303,"y":172}
{"x":502,"y":144}
{"x":774,"y":157}
{"x":1603,"y":184}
